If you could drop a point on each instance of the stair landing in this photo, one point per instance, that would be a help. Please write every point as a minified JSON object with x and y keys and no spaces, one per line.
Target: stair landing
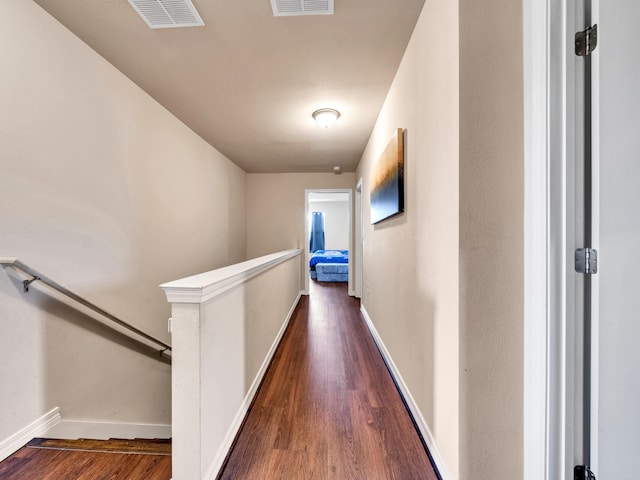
{"x":86,"y":459}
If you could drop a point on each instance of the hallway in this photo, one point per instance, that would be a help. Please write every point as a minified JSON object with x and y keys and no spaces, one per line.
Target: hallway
{"x":327,"y":407}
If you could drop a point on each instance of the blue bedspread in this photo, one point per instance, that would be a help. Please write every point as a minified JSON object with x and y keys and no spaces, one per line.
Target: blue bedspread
{"x":328,"y":256}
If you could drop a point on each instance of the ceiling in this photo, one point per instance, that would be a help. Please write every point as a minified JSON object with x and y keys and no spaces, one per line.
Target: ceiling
{"x":247,"y":82}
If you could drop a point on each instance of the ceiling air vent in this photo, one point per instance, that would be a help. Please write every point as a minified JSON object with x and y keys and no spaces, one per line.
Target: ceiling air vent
{"x":289,"y":8}
{"x":167,"y":13}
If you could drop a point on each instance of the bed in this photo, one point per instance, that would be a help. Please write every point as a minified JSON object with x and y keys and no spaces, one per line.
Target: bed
{"x":329,"y":265}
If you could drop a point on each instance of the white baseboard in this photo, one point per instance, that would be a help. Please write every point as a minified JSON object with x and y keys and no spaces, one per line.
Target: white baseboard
{"x":411,"y":404}
{"x":73,"y":429}
{"x":37,"y":428}
{"x":225,"y":446}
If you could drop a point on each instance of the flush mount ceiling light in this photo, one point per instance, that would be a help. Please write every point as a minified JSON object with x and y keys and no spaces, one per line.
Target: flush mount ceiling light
{"x":326,"y":117}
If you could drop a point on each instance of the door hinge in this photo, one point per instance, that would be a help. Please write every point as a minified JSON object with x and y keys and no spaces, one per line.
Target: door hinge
{"x":583,"y":472}
{"x":586,"y":260}
{"x":586,"y":41}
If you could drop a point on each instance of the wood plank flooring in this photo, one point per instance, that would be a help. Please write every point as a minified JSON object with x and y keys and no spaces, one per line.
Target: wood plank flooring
{"x":88,"y":460}
{"x":328,"y":407}
{"x":116,"y":445}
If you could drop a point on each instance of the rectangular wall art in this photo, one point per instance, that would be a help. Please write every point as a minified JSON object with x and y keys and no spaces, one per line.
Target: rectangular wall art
{"x":387,"y":181}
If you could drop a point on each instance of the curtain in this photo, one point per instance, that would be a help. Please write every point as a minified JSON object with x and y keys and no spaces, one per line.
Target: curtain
{"x":316,"y":240}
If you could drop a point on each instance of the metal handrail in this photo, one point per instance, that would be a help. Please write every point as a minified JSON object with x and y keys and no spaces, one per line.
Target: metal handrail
{"x":36,"y":276}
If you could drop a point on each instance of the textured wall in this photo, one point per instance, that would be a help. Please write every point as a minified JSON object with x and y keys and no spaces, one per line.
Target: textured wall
{"x":491,"y":239}
{"x":410,"y":284}
{"x":275,"y":209}
{"x":108,"y":193}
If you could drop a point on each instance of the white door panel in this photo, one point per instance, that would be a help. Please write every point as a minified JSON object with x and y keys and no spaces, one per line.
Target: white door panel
{"x":617,"y":238}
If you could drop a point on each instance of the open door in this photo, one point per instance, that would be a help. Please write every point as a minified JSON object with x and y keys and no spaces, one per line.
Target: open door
{"x":616,"y":286}
{"x":584,"y":155}
{"x":608,"y":353}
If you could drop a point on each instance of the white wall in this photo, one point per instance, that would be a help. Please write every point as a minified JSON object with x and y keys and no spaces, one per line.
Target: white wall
{"x":226,"y":327}
{"x":491,"y":239}
{"x":276,"y":209}
{"x":108,"y":193}
{"x":448,"y":299}
{"x":410,"y":285}
{"x":336,"y":223}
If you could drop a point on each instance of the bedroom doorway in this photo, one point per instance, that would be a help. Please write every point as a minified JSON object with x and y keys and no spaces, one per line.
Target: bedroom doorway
{"x":334,"y":208}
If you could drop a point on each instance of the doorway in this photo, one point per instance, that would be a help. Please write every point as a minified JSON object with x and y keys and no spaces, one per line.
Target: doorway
{"x":336,"y":207}
{"x":582,"y":385}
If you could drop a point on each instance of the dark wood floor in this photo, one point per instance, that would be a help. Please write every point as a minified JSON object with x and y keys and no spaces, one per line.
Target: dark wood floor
{"x":328,"y":408}
{"x":88,"y":460}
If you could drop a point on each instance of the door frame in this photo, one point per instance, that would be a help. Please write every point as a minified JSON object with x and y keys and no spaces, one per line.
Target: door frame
{"x":550,"y":288}
{"x":307,"y":229}
{"x":358,"y":246}
{"x":537,"y":313}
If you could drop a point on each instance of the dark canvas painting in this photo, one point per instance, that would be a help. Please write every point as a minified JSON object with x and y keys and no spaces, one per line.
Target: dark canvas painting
{"x":387,"y":181}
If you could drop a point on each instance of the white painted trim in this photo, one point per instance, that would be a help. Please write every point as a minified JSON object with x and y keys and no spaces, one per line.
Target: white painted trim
{"x":306,"y":240}
{"x":209,"y":285}
{"x":37,"y":428}
{"x":52,"y":425}
{"x":563,"y":290}
{"x":358,"y":242}
{"x":536,"y":228}
{"x":186,"y":391}
{"x":218,"y":460}
{"x":351,"y":291}
{"x":408,"y":398}
{"x":73,"y":429}
{"x":595,"y":241}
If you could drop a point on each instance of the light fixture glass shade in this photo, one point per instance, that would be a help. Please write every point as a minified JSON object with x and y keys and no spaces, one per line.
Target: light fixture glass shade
{"x":326,"y":117}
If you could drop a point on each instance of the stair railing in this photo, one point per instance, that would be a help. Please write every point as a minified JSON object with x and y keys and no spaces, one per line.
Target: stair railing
{"x":163,"y":350}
